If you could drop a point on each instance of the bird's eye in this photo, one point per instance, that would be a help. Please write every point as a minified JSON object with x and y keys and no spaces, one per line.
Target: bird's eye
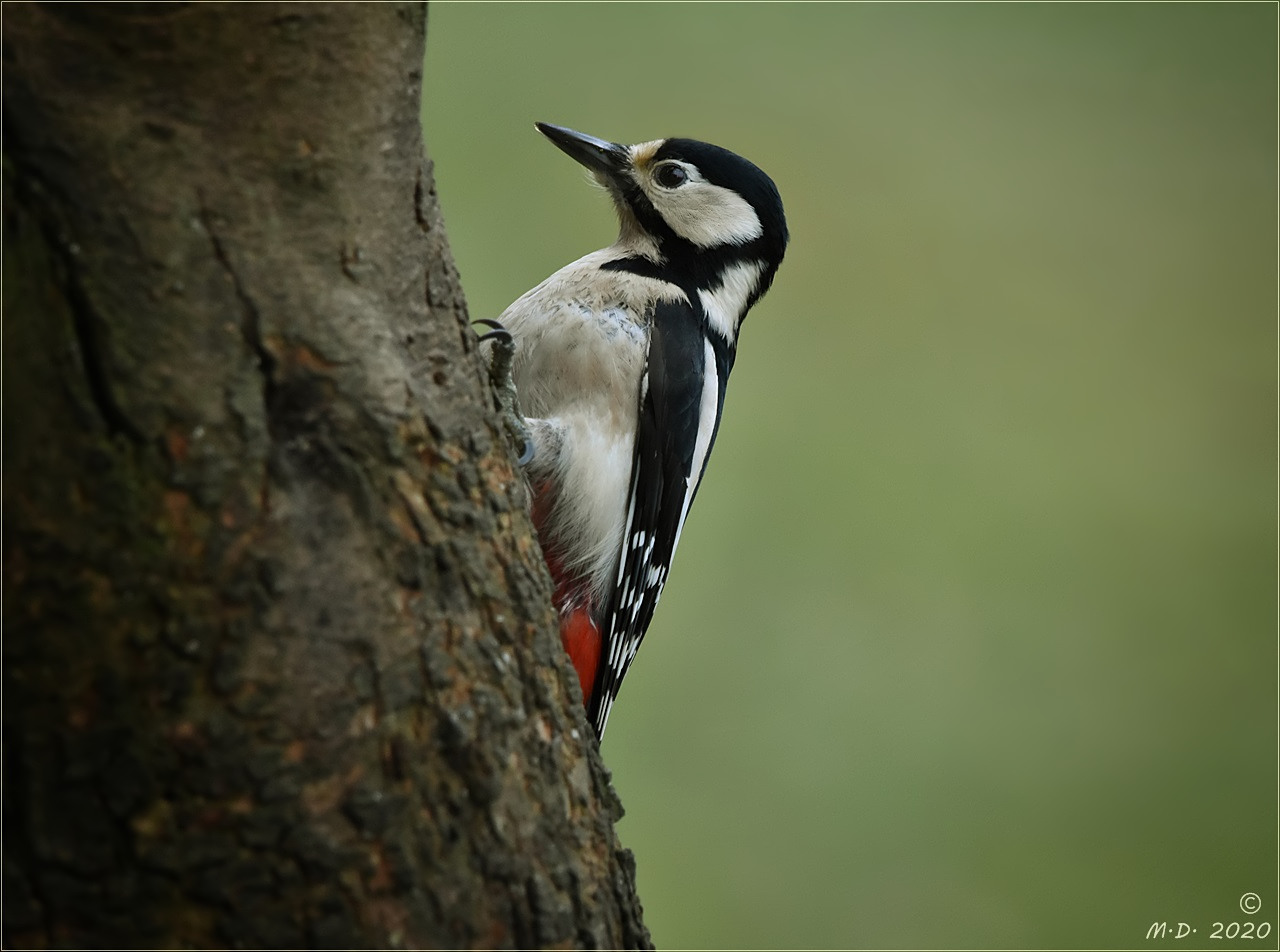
{"x":670,"y":176}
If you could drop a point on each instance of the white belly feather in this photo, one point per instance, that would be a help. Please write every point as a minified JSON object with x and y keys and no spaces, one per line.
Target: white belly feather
{"x":582,"y":339}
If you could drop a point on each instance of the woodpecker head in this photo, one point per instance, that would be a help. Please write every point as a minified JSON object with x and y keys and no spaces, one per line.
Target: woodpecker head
{"x":692,"y":209}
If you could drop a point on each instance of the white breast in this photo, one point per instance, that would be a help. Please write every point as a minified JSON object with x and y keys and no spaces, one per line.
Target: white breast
{"x":582,"y":338}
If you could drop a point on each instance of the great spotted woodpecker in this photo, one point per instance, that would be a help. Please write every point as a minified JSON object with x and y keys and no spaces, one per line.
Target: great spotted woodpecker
{"x":620,"y":361}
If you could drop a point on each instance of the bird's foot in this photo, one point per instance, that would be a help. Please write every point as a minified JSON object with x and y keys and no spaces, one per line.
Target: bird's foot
{"x":506,"y":400}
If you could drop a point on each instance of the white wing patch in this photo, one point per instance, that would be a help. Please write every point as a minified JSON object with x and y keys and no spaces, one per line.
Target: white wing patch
{"x":641,"y":587}
{"x":707,"y":413}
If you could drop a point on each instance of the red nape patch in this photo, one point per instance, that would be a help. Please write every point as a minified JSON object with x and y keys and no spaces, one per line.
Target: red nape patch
{"x":582,"y":640}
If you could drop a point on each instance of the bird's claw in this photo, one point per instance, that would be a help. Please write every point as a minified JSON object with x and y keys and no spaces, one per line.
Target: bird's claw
{"x":506,"y":399}
{"x":498,"y":332}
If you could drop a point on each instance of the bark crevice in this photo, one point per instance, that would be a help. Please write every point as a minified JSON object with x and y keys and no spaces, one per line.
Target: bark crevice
{"x":88,"y":325}
{"x":251,"y":319}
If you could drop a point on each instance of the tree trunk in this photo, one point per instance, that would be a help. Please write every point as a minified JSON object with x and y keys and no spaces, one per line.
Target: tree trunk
{"x":280,"y":663}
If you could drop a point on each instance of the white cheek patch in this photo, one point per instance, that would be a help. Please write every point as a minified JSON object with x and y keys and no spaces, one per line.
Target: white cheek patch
{"x":707,"y":215}
{"x":725,"y":305}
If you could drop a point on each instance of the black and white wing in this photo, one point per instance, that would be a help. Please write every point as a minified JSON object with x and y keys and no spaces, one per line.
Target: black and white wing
{"x":681,"y":395}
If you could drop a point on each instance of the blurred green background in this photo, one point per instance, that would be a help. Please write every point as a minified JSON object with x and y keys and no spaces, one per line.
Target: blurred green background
{"x":971,"y":639}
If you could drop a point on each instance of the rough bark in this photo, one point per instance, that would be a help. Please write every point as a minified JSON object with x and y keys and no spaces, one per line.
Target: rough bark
{"x":280,"y":666}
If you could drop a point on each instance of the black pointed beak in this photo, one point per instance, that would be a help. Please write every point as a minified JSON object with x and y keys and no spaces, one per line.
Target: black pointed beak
{"x":596,"y":154}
